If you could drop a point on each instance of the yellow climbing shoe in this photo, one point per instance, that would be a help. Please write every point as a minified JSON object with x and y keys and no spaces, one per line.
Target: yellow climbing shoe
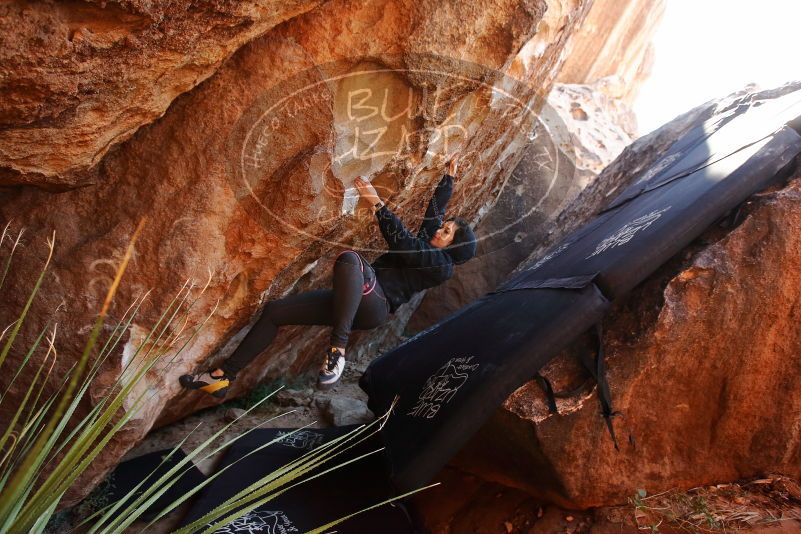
{"x":216,"y":386}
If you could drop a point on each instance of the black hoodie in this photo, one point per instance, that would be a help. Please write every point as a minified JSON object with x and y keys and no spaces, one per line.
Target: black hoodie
{"x":412,"y":263}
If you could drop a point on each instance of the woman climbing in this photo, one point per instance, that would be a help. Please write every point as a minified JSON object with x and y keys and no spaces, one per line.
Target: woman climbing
{"x":363,"y":295}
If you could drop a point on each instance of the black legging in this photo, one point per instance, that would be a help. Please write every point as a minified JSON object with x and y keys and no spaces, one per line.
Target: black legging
{"x":356,"y":302}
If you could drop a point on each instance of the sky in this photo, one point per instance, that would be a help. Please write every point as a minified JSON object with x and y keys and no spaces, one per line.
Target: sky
{"x":707,"y":49}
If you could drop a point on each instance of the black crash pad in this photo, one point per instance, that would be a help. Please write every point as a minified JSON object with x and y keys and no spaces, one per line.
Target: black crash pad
{"x":748,"y":120}
{"x":313,"y":503}
{"x":625,"y":244}
{"x":150,"y":467}
{"x":452,"y":377}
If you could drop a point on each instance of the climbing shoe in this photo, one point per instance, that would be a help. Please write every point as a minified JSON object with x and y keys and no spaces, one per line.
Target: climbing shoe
{"x":332,"y":368}
{"x":216,"y":386}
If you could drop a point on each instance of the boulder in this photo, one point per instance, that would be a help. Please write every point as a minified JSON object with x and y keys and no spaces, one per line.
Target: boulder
{"x":81,"y":77}
{"x":701,"y":364}
{"x":343,"y":411}
{"x":246,"y":181}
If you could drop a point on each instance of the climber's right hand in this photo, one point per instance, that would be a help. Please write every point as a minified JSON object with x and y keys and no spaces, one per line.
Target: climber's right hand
{"x":366,"y":191}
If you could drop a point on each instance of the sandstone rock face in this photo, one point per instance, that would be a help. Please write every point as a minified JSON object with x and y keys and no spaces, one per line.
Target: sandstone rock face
{"x":247,"y":191}
{"x":701,"y":362}
{"x":598,"y":123}
{"x":80,"y":77}
{"x":465,"y":504}
{"x":615,"y":40}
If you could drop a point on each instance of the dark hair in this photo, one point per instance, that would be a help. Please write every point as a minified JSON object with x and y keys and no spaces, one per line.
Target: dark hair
{"x":463,"y":246}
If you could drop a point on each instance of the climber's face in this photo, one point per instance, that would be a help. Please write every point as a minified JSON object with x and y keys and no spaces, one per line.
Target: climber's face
{"x":444,"y":236}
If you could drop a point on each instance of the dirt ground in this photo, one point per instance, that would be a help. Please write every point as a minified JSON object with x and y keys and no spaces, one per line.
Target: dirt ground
{"x":464,"y":504}
{"x":291,"y":405}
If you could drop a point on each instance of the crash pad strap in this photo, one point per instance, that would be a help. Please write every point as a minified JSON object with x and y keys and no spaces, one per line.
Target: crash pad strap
{"x":546,"y":386}
{"x":597,"y":367}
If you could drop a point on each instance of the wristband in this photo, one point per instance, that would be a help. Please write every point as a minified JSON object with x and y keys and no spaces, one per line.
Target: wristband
{"x":377,"y":206}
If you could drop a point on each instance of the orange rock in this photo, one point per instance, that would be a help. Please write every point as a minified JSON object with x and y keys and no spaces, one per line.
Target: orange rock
{"x":246,"y":189}
{"x":615,"y":40}
{"x":702,"y":363}
{"x":80,"y":78}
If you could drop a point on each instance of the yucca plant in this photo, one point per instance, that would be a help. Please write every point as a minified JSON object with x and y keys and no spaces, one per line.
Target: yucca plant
{"x":47,"y":445}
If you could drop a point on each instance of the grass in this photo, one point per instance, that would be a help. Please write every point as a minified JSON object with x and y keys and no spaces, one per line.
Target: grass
{"x":720,"y":508}
{"x":50,"y":440}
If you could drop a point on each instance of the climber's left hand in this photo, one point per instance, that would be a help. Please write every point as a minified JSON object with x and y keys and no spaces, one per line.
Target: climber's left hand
{"x":453,"y":167}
